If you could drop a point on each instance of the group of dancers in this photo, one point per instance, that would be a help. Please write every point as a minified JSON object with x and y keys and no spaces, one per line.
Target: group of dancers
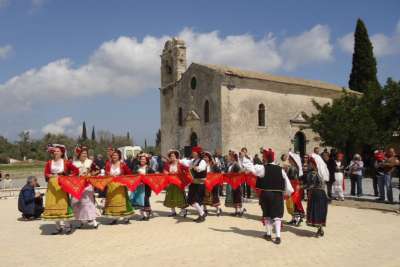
{"x":274,"y":183}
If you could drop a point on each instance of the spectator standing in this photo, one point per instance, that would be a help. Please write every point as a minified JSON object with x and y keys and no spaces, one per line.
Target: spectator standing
{"x":387,"y":166}
{"x":356,"y":172}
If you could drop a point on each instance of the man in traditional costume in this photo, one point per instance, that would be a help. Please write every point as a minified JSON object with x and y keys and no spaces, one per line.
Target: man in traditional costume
{"x":273,"y":183}
{"x":198,"y":170}
{"x":57,"y":204}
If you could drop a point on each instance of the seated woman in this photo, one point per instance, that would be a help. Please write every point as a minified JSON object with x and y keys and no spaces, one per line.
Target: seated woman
{"x":30,"y":203}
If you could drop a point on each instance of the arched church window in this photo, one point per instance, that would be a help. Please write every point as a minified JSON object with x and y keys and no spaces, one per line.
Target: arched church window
{"x":193,"y":83}
{"x":261,"y":115}
{"x":180,"y":117}
{"x":207,"y":111}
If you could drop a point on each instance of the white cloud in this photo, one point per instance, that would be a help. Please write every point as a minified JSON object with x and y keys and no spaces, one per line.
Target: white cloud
{"x":127,"y":66}
{"x":5,"y":51}
{"x":312,"y":46}
{"x":239,"y":50}
{"x":383,"y":45}
{"x":62,"y":126}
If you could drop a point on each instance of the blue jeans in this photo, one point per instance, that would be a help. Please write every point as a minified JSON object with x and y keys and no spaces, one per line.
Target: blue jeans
{"x":356,"y":183}
{"x":385,"y":181}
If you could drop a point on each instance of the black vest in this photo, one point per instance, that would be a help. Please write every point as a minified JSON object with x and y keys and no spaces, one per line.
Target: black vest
{"x":198,"y":175}
{"x":273,"y":179}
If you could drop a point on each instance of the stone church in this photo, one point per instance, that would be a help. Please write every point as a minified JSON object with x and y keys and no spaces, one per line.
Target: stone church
{"x":224,"y":108}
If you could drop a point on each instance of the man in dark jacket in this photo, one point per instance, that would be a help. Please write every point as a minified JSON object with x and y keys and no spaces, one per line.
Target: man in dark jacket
{"x":30,"y":204}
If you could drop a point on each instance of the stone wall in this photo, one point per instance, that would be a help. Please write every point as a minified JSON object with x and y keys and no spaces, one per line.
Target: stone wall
{"x":240,"y":114}
{"x":182,"y":95}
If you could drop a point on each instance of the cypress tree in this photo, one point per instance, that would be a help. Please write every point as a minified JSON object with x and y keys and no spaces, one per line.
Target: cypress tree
{"x":363,"y":72}
{"x":93,"y":134}
{"x":84,"y":135}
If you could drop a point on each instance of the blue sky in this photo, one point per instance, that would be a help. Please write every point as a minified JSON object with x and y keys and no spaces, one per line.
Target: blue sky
{"x":62,"y":62}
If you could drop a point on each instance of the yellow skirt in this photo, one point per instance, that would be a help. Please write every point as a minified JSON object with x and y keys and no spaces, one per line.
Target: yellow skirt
{"x":290,"y":206}
{"x":117,"y":201}
{"x":57,"y":205}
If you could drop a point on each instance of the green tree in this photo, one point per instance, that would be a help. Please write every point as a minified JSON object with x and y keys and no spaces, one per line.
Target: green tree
{"x":84,"y":134}
{"x":345,"y":124}
{"x":364,"y":70}
{"x":24,"y":144}
{"x":158,"y":138}
{"x":93,"y":134}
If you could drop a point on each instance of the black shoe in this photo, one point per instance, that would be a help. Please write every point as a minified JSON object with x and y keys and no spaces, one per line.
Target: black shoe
{"x":299,"y":222}
{"x":114,"y":222}
{"x":277,"y":240}
{"x":322,"y":233}
{"x":292,"y":222}
{"x":172,"y":214}
{"x":185,"y":214}
{"x":240,"y":214}
{"x":268,"y":237}
{"x":96,"y":226}
{"x":200,"y":219}
{"x":144,"y":218}
{"x":57,"y":232}
{"x":68,"y":231}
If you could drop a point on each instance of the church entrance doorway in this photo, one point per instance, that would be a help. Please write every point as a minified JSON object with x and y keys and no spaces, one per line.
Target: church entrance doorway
{"x":300,"y":144}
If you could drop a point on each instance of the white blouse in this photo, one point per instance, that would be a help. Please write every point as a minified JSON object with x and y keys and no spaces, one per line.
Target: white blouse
{"x":115,"y":170}
{"x":57,"y":166}
{"x":173,"y":168}
{"x":84,"y":167}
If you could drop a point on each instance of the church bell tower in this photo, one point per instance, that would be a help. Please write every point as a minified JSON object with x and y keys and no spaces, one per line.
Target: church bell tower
{"x":173,"y":61}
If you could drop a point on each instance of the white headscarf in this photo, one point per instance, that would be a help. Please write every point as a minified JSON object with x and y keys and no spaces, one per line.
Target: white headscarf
{"x":321,"y":166}
{"x":297,"y":159}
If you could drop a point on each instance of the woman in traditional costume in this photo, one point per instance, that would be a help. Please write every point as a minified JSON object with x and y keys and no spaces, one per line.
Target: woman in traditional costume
{"x":293,"y":203}
{"x":117,"y":204}
{"x":317,"y":203}
{"x":234,"y":196}
{"x":57,"y":205}
{"x":84,"y":208}
{"x":140,"y":198}
{"x":212,"y":198}
{"x":175,"y":197}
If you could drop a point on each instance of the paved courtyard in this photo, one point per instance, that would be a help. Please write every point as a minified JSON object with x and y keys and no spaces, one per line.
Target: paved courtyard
{"x":354,"y":237}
